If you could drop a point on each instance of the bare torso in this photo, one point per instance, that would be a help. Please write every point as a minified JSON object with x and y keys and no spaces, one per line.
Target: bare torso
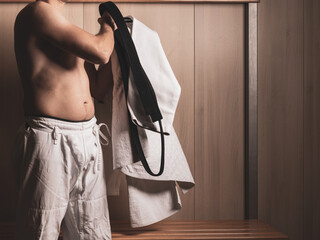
{"x":55,"y":82}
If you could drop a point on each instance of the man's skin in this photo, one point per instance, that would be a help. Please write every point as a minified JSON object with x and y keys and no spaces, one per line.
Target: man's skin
{"x":56,"y":62}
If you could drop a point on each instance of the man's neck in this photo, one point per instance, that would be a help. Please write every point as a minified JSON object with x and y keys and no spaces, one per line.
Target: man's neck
{"x":57,"y":4}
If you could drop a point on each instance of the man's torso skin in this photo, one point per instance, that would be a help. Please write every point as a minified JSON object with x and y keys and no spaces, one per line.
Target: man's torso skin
{"x":55,"y":82}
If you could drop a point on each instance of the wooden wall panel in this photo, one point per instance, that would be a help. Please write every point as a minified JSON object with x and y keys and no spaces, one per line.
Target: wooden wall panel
{"x":74,"y":13}
{"x":146,"y":1}
{"x":175,"y":26}
{"x":280,"y":115}
{"x":219,"y":111}
{"x":311,"y":120}
{"x":11,"y":97}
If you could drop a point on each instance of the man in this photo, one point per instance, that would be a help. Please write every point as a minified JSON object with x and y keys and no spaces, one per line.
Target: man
{"x":58,"y":156}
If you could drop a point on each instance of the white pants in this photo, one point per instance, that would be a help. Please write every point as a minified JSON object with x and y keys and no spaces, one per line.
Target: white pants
{"x":61,"y":180}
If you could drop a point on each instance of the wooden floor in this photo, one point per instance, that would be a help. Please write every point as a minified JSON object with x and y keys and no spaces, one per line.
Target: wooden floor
{"x":214,"y":229}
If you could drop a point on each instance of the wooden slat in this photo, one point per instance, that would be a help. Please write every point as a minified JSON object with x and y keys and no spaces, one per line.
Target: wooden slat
{"x":311,"y":113}
{"x":74,"y":13}
{"x":280,"y":115}
{"x":145,"y":1}
{"x":214,"y":229}
{"x":219,"y":111}
{"x":11,"y":97}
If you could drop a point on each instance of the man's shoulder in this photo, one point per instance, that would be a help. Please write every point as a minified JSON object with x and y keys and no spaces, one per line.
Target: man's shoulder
{"x":37,"y":9}
{"x":36,"y":15}
{"x":37,"y":5}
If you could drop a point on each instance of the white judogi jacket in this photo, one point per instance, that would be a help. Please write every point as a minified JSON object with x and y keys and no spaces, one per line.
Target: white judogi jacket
{"x":151,"y":199}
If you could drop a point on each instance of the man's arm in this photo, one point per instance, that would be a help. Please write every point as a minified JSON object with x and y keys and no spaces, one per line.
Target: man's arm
{"x":51,"y":25}
{"x":101,"y":80}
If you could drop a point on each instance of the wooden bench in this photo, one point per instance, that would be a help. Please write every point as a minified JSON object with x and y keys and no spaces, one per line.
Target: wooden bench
{"x":213,"y":229}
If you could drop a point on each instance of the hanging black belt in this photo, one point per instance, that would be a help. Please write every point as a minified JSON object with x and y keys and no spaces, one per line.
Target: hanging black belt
{"x":128,"y":59}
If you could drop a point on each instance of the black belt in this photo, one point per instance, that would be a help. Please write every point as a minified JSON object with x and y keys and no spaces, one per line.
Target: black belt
{"x":128,"y":58}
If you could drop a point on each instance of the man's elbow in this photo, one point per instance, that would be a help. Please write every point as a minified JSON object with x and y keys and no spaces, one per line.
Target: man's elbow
{"x":103,"y":58}
{"x":98,"y":57}
{"x":104,"y":52}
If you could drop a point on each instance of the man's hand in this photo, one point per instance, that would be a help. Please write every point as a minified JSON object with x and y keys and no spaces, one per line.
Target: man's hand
{"x":107,"y":19}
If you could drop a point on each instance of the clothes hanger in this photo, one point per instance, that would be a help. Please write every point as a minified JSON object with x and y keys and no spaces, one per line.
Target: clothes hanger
{"x":127,"y":19}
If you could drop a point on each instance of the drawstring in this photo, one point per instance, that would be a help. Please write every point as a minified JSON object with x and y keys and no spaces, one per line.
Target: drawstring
{"x":97,"y":164}
{"x":96,"y":167}
{"x":102,"y":135}
{"x":55,"y":133}
{"x":104,"y":138}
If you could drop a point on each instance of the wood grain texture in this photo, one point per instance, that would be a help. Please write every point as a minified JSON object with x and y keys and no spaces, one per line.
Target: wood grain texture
{"x":175,"y":26}
{"x":280,"y":115}
{"x":218,"y":229}
{"x":144,"y":1}
{"x":219,"y":111}
{"x":311,"y":125}
{"x":215,"y":229}
{"x":74,"y":13}
{"x":11,"y":98}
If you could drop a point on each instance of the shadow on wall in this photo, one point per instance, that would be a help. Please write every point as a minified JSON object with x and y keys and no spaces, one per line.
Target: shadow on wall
{"x":11,"y":105}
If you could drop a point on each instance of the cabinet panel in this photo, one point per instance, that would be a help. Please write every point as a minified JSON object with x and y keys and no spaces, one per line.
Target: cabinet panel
{"x":311,"y":107}
{"x":11,"y":97}
{"x":280,"y":115}
{"x":219,"y":111}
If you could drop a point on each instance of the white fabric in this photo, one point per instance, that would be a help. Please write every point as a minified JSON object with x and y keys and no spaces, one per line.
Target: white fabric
{"x":60,"y":180}
{"x":151,"y":198}
{"x":156,"y":66}
{"x":151,"y":201}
